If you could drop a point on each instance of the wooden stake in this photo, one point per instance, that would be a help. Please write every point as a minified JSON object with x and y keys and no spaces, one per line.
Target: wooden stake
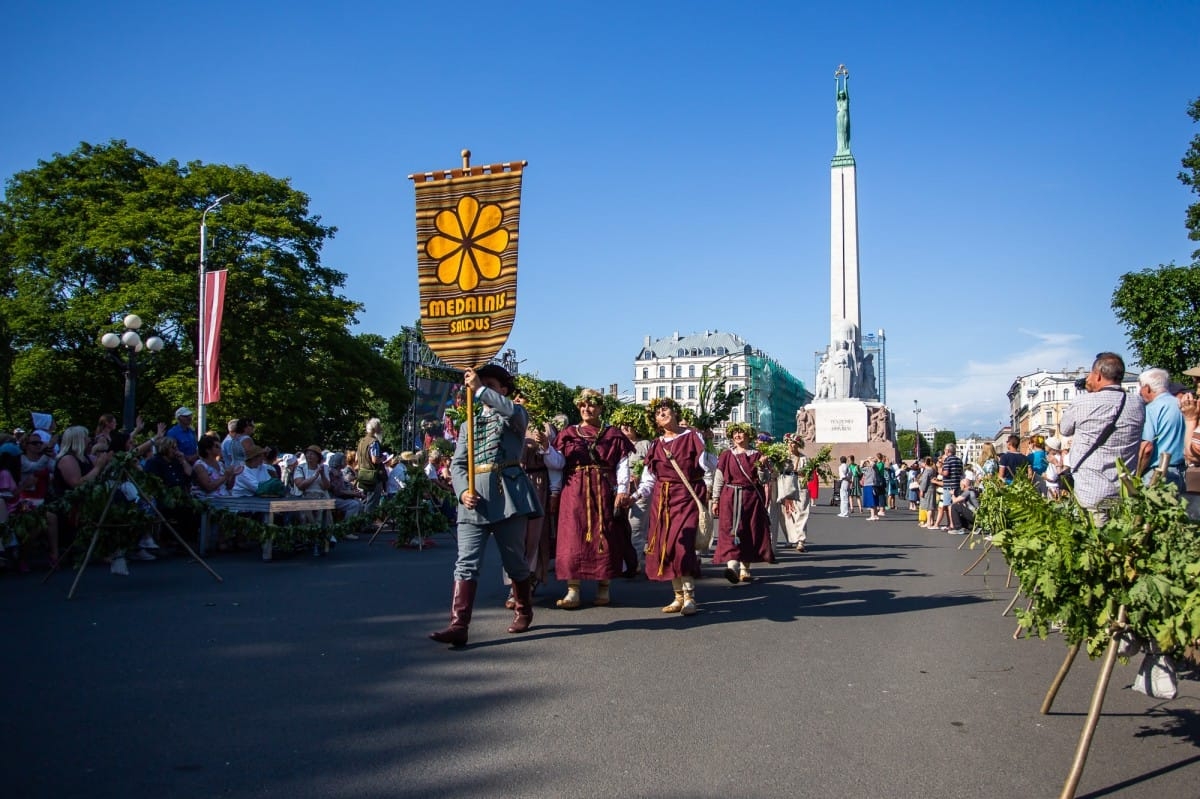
{"x":979,"y":559}
{"x":1012,"y":604}
{"x":1048,"y":702}
{"x":1093,"y":717}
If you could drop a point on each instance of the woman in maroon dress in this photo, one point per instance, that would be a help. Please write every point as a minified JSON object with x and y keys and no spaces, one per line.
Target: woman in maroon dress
{"x":588,"y":546}
{"x":673,"y":514}
{"x":740,"y":505}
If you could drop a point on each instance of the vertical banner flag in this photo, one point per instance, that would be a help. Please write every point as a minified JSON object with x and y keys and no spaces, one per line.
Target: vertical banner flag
{"x":467,"y":223}
{"x":214,"y":306}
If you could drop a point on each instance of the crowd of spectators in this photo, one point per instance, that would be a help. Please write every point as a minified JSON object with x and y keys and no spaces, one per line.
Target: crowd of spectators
{"x":39,"y":465}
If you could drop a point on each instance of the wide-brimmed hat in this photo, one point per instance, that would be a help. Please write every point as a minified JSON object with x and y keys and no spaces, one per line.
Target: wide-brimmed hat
{"x":253,"y":450}
{"x":182,"y":410}
{"x":1193,"y":372}
{"x":314,"y":448}
{"x":498,"y":373}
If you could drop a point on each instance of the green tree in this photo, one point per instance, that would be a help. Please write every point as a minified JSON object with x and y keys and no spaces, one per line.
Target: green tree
{"x":1190,"y":177}
{"x":904,"y":443}
{"x":1160,"y":307}
{"x":106,"y":230}
{"x":941,"y":438}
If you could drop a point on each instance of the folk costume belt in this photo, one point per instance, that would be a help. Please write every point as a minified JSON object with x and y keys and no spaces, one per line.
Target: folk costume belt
{"x":593,"y":498}
{"x":484,"y":468}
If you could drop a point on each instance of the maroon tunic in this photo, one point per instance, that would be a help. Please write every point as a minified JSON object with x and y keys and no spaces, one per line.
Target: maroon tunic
{"x":742,"y":511}
{"x":537,"y":531}
{"x":588,"y":546}
{"x":673,"y":515}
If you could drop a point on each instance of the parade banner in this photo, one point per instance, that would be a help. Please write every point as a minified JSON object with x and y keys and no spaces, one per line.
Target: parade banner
{"x":467,"y":222}
{"x":214,"y":309}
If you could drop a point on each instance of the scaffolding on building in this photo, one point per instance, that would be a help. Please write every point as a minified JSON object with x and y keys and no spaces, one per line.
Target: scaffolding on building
{"x":773,"y":395}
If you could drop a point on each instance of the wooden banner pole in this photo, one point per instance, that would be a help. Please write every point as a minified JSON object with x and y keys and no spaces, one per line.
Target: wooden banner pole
{"x":470,"y":439}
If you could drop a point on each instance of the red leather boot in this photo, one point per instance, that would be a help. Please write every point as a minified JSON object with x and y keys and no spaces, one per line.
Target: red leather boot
{"x":460,"y":614}
{"x":523,"y":596}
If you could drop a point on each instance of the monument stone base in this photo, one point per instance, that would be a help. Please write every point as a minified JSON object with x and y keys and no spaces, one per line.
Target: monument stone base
{"x":849,"y":427}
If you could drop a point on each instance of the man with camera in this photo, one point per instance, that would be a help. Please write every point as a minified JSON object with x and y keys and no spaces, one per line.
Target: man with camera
{"x":1107,"y":427}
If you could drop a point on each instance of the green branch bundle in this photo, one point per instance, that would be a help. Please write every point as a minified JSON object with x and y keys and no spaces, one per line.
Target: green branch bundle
{"x":1146,"y":557}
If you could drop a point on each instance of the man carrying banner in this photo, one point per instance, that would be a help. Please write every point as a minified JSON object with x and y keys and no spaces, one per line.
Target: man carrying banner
{"x":500,"y":502}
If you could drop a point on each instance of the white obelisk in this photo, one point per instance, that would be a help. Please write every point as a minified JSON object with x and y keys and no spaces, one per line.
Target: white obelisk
{"x":843,"y":226}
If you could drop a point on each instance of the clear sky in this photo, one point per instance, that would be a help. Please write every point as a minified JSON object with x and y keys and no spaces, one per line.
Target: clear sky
{"x":1014,"y":159}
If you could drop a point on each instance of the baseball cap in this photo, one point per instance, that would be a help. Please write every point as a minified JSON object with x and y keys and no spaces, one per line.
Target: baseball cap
{"x":182,"y":411}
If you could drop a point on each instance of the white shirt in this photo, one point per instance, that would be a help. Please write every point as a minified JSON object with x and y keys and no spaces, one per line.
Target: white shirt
{"x":247,"y":482}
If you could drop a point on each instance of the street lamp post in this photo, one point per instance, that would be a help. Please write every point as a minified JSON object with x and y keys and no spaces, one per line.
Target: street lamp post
{"x":131,"y":340}
{"x":917,"y":440}
{"x":201,"y":321}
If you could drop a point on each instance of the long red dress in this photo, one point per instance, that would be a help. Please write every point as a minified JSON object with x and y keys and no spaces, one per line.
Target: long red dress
{"x":673,"y":515}
{"x":742,"y":511}
{"x":588,"y":546}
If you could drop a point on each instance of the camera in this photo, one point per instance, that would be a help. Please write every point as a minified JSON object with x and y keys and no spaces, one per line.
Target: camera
{"x":1081,"y":384}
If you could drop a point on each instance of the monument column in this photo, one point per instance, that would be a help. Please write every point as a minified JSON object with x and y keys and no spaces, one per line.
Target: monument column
{"x":843,"y":223}
{"x":846,"y":413}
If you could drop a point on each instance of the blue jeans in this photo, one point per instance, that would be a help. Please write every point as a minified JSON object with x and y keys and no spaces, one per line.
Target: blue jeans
{"x":510,"y":538}
{"x":1174,"y":475}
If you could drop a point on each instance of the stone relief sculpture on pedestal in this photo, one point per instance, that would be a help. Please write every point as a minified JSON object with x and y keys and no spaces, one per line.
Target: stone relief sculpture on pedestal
{"x":877,"y":426}
{"x":806,"y":425}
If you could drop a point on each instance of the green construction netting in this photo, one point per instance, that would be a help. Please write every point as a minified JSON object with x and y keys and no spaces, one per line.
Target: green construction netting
{"x":775,"y":396}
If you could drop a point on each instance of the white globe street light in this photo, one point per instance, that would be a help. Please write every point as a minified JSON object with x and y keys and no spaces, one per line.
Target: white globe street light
{"x":133,"y":344}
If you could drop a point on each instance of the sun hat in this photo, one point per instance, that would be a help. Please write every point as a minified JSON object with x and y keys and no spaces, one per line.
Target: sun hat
{"x":183,"y":410}
{"x":253,"y":450}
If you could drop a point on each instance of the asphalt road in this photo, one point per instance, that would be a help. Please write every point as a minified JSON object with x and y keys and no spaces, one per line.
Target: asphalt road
{"x":867,"y":667}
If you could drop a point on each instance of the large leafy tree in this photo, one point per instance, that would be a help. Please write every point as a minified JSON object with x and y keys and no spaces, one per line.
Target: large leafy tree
{"x":107,"y":230}
{"x":1160,"y":307}
{"x":1190,"y":176}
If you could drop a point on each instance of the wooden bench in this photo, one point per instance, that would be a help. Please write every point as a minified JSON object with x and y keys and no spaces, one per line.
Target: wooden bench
{"x":265,"y":505}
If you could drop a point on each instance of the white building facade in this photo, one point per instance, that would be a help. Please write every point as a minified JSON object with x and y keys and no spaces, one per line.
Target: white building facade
{"x":1037,"y":400}
{"x":673,"y":366}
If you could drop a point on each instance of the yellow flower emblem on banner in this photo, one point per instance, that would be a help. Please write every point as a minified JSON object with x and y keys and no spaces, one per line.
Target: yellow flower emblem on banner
{"x":468,"y":243}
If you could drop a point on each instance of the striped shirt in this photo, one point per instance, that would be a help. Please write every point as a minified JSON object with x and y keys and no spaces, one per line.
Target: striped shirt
{"x":952,"y":472}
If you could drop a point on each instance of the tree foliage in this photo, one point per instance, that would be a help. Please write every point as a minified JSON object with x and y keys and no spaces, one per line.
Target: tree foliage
{"x":1190,"y":177}
{"x":1160,"y":309}
{"x":107,"y":230}
{"x":941,"y":438}
{"x":904,"y":443}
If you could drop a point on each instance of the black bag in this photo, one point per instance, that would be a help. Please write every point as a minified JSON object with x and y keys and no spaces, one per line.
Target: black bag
{"x":1066,"y":479}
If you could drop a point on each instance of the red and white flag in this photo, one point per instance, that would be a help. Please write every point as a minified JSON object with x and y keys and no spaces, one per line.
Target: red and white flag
{"x":214,"y":304}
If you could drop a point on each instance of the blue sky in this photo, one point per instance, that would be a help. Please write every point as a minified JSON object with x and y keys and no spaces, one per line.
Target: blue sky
{"x":1013,"y":159}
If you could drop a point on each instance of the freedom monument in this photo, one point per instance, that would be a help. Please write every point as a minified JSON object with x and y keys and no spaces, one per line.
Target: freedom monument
{"x":846,"y":412}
